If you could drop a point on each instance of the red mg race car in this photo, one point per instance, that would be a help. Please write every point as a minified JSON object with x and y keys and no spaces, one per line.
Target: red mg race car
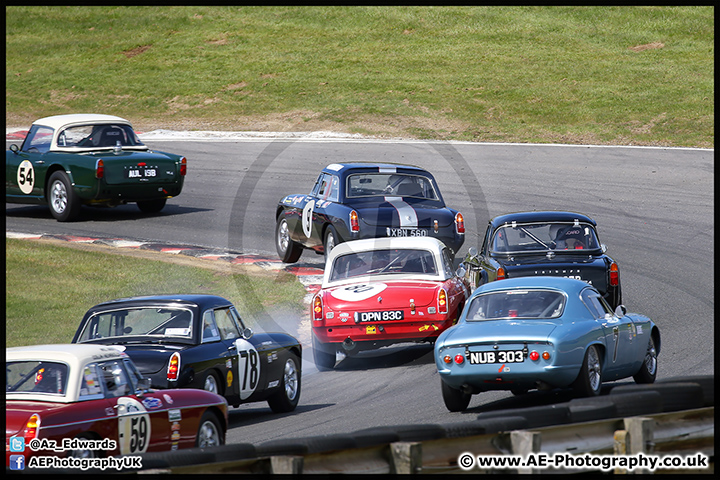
{"x":383,"y":291}
{"x":89,"y":401}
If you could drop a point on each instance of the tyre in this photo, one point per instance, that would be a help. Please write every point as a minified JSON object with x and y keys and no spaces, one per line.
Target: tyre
{"x":152,"y":206}
{"x":648,"y":370}
{"x":324,"y":359}
{"x":210,"y":433}
{"x":331,"y":239}
{"x":212,"y":384}
{"x":589,"y":380}
{"x":455,"y":400}
{"x":287,"y":250}
{"x":86,"y":453}
{"x":286,"y":399}
{"x":62,"y":200}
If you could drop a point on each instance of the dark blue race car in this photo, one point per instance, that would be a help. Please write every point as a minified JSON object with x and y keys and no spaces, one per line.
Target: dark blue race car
{"x":562,"y":244}
{"x":350,"y":201}
{"x":199,"y":341}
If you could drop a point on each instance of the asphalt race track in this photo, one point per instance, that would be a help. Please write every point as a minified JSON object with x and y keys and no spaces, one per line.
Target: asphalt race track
{"x":654,"y":208}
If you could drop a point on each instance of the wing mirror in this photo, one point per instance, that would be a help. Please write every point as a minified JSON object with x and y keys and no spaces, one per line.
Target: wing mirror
{"x":620,"y":311}
{"x":247,"y":333}
{"x":461,"y":270}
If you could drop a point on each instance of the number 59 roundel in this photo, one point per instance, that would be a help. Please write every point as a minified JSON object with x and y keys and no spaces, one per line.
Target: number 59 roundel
{"x":133,"y":426}
{"x":248,"y":368}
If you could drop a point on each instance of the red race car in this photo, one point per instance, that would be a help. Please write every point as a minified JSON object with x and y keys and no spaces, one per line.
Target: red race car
{"x":90,"y":401}
{"x":383,"y":291}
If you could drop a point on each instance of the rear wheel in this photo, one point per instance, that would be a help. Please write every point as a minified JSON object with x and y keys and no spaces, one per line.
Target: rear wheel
{"x":288,"y":397}
{"x":455,"y":400}
{"x":324,"y":358}
{"x":288,"y":250}
{"x":62,"y":200}
{"x":211,"y":384}
{"x":152,"y":206}
{"x":86,"y":452}
{"x":331,"y":239}
{"x":210,"y":433}
{"x":589,"y":380}
{"x":648,"y":370}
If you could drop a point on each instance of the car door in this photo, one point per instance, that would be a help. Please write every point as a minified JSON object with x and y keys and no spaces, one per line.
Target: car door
{"x":25,"y":169}
{"x":316,"y":209}
{"x":142,"y":423}
{"x":618,"y":333}
{"x":242,"y":360}
{"x":488,"y":266}
{"x":249,"y":364}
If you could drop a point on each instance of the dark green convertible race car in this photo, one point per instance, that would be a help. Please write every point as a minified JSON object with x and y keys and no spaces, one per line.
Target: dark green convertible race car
{"x":86,"y":159}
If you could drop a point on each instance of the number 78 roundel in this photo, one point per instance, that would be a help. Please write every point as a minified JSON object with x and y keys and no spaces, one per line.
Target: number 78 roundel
{"x":248,"y":367}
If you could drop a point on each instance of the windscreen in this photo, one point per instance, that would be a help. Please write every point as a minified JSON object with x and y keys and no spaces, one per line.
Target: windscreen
{"x":379,"y":262}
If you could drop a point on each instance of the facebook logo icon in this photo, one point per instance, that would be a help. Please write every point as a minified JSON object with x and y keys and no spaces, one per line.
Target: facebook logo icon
{"x":17,"y":462}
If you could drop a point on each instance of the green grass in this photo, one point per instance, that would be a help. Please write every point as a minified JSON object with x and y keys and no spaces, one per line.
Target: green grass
{"x":49,"y":288}
{"x":521,"y":74}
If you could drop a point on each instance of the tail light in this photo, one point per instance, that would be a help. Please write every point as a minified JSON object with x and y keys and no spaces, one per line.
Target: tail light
{"x":317,"y":308}
{"x":442,"y":301}
{"x":31,"y":427}
{"x":501,"y":274}
{"x":354,"y":222}
{"x":614,"y":275}
{"x":174,"y":367}
{"x":99,"y":169}
{"x":183,"y":166}
{"x":459,"y":223}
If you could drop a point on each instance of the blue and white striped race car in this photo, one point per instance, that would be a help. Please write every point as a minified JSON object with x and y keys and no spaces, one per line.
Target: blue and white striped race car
{"x":350,"y":201}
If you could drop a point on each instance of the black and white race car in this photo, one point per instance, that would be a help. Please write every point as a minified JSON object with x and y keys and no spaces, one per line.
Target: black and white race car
{"x":350,"y":201}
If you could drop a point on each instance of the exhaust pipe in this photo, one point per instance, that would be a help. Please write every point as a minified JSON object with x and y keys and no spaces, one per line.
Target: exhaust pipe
{"x":348,"y":344}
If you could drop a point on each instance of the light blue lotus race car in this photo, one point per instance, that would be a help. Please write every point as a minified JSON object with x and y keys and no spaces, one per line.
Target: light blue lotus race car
{"x":541,"y":333}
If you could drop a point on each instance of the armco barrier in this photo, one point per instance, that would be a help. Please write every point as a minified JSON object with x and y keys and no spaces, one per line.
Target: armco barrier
{"x":598,"y":425}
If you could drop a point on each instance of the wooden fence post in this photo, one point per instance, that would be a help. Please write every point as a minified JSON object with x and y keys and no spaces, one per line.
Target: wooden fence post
{"x":406,"y":457}
{"x":286,"y":464}
{"x":524,"y":443}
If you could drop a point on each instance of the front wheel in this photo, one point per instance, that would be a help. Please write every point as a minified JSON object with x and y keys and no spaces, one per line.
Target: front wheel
{"x":648,"y":370}
{"x":288,"y":250}
{"x":289,"y":395}
{"x":589,"y":380}
{"x":455,"y":400}
{"x":62,"y":200}
{"x":210,"y":433}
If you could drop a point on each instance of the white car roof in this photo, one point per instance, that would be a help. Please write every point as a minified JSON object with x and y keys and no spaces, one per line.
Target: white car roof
{"x":383,"y":243}
{"x":58,"y":121}
{"x":76,"y":356}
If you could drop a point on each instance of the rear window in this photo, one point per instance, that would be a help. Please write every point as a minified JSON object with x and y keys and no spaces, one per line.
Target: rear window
{"x":153,"y":321}
{"x":516,"y":304}
{"x":32,"y":376}
{"x":390,"y":185}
